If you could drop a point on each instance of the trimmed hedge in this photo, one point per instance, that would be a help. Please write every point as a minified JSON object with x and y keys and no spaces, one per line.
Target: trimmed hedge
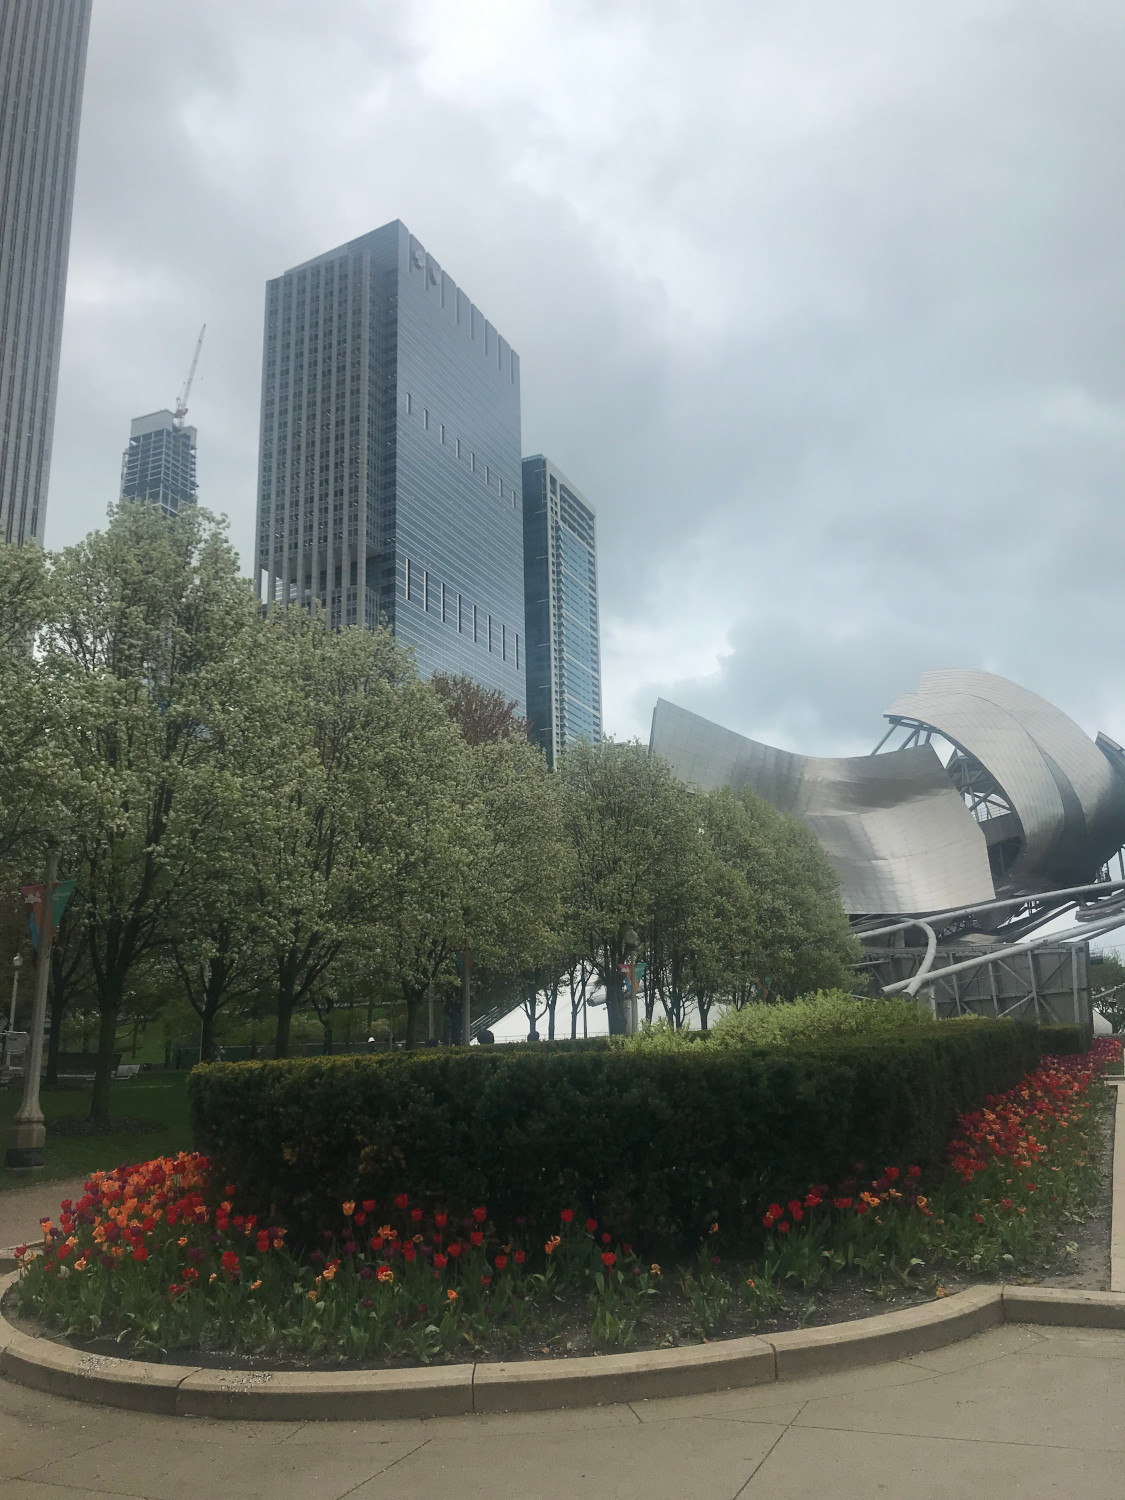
{"x":657,"y":1145}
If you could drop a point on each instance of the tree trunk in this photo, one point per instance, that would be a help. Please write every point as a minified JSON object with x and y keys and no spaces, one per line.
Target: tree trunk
{"x":326,"y":1027}
{"x":207,"y":1035}
{"x":284,"y":1021}
{"x":616,"y":1003}
{"x":110,"y":1011}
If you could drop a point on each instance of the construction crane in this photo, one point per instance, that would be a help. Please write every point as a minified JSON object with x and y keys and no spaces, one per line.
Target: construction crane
{"x":182,"y":399}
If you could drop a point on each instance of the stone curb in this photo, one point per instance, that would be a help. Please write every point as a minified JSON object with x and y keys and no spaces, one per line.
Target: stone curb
{"x":539,"y":1385}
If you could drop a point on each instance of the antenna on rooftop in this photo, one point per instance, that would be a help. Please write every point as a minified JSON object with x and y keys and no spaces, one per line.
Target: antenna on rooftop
{"x":182,"y":399}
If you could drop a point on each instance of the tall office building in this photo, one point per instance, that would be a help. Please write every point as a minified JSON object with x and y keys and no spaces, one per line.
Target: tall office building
{"x":42,"y":64}
{"x":389,"y":484}
{"x":564,"y":679}
{"x":159,"y":463}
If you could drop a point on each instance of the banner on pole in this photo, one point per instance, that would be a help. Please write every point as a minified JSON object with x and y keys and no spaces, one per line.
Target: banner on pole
{"x":33,"y":900}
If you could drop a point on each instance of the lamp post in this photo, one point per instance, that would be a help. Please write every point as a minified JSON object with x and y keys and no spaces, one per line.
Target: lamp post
{"x":17,"y":965}
{"x":29,"y":1133}
{"x":6,"y":1069}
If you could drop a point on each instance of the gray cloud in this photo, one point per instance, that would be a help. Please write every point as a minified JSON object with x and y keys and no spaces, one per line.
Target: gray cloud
{"x":822,"y":306}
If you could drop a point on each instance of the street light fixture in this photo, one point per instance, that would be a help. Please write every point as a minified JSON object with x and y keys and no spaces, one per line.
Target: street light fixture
{"x":6,"y":1067}
{"x":17,"y":965}
{"x":28,"y":1133}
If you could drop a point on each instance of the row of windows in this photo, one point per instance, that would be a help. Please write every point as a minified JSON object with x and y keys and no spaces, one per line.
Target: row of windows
{"x":466,"y":454}
{"x":422,"y":588}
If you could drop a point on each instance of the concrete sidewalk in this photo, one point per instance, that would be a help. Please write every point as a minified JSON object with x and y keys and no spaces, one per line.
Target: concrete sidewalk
{"x":1016,"y":1412}
{"x":21,"y":1209}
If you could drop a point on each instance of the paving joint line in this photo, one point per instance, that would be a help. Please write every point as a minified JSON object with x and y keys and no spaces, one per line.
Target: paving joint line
{"x":386,"y":1469}
{"x":757,"y":1467}
{"x":943,"y":1437}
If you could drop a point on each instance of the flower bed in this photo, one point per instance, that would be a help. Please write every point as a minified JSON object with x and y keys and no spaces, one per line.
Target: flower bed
{"x":148,"y":1256}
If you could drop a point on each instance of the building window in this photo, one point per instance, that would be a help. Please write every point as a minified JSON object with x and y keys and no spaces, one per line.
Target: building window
{"x":442,"y":425}
{"x":409,"y":403}
{"x":409,"y":580}
{"x":426,"y":590}
{"x":504,"y":642}
{"x":476,"y":626}
{"x":490,"y":632}
{"x":460,"y":615}
{"x":517,"y":651}
{"x":426,"y":418}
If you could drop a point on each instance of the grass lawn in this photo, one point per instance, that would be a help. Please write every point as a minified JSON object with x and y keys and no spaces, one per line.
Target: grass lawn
{"x":158,"y":1097}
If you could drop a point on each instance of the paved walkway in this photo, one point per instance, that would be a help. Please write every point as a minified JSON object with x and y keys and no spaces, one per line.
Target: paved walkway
{"x":21,"y":1209}
{"x":1016,"y":1412}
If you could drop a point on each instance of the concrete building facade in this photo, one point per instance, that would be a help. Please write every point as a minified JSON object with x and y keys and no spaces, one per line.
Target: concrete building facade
{"x":390,"y":477}
{"x":42,"y":66}
{"x":564,"y":691}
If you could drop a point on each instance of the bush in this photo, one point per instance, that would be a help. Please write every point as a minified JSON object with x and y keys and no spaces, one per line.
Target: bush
{"x":812,"y":1018}
{"x":655,"y":1144}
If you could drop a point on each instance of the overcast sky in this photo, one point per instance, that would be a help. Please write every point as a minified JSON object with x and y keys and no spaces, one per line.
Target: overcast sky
{"x":820,"y":304}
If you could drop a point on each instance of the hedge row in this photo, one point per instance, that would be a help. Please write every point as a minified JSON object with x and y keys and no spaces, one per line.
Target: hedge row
{"x":656,"y":1145}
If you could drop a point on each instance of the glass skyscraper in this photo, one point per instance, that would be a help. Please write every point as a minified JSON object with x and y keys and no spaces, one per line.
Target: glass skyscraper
{"x":564,"y":681}
{"x":159,"y":463}
{"x":42,"y":65}
{"x":389,"y":483}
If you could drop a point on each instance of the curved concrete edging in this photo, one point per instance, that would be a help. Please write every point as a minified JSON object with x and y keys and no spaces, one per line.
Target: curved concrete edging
{"x":536,"y":1385}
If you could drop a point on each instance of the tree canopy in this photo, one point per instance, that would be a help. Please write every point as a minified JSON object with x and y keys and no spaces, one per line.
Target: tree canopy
{"x":263,"y":814}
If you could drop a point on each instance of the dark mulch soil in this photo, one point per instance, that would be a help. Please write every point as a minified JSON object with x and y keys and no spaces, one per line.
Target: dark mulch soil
{"x":1078,"y":1258}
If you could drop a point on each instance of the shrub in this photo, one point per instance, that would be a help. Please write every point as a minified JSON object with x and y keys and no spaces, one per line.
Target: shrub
{"x":655,"y":1144}
{"x":812,"y":1018}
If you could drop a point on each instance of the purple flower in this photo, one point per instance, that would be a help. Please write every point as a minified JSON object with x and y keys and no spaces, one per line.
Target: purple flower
{"x":195,"y":1254}
{"x":107,"y":1262}
{"x":715,"y":1261}
{"x":426,"y":1251}
{"x":112,"y":1233}
{"x":422,"y":1309}
{"x":368,"y":1304}
{"x":349,"y":1247}
{"x":316,"y":1257}
{"x":366,"y":1273}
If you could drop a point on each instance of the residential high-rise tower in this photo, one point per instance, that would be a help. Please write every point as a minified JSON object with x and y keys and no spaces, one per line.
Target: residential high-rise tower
{"x":159,"y":463}
{"x":42,"y":64}
{"x":389,"y":483}
{"x":564,"y":680}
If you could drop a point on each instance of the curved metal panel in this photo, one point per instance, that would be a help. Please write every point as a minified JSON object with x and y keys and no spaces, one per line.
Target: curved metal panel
{"x":1063,"y":788}
{"x":1008,"y":752}
{"x":893,"y":826}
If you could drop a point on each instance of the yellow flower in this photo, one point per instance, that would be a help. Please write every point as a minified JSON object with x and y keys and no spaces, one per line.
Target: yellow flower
{"x":385,"y":1273}
{"x":714,"y":1229}
{"x":451,"y":1294}
{"x":654,"y":1269}
{"x":312,"y":1295}
{"x":552,"y":1244}
{"x":349,"y":1208}
{"x":213,"y":1278}
{"x":80,"y":1265}
{"x":254,"y":1285}
{"x":329,"y":1272}
{"x":182,"y":1241}
{"x":750,"y":1282}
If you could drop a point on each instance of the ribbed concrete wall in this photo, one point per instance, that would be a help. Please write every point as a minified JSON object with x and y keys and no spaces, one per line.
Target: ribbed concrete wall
{"x":42,"y":63}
